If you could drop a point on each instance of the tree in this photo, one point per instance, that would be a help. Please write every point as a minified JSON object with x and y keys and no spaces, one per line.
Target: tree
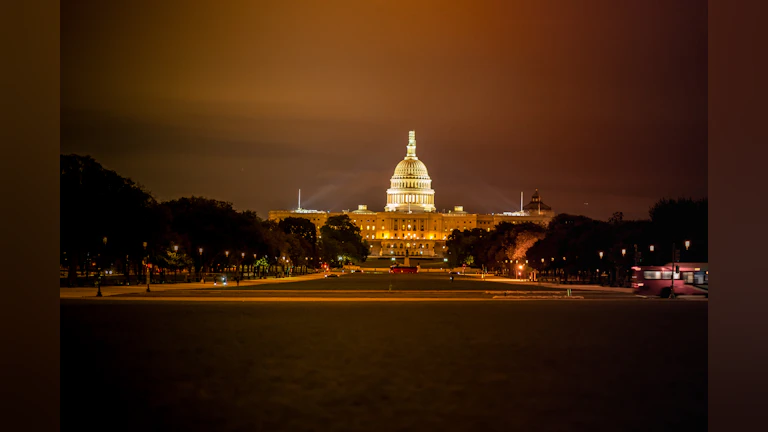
{"x":97,"y":203}
{"x":305,"y":234}
{"x":341,"y":241}
{"x":675,"y":221}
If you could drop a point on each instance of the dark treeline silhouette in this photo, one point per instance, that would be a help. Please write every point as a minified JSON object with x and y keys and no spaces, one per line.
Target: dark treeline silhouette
{"x":110,"y":222}
{"x":570,"y":247}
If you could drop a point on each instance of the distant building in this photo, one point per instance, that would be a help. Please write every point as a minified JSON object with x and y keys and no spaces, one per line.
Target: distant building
{"x":410,"y":223}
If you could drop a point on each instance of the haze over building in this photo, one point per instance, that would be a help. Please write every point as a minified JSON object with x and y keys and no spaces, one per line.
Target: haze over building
{"x":410,"y":224}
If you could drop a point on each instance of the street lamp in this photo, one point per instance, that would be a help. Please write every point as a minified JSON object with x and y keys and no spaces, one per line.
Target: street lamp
{"x":652,"y":248}
{"x":200,"y":251}
{"x":98,"y":282}
{"x":227,"y":254}
{"x":623,"y":252}
{"x":687,"y":244}
{"x":175,"y":264}
{"x":601,"y":254}
{"x":146,"y":257}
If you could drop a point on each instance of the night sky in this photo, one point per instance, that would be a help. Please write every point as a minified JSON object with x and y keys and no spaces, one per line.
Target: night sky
{"x":598,"y":102}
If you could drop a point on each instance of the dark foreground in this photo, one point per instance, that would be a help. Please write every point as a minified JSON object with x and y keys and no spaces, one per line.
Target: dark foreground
{"x":465,"y":366}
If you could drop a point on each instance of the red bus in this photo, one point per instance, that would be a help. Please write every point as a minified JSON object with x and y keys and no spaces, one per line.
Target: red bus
{"x":403,"y":269}
{"x":685,"y":279}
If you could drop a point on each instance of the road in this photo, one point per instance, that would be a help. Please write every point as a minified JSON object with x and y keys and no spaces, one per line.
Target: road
{"x":357,"y":286}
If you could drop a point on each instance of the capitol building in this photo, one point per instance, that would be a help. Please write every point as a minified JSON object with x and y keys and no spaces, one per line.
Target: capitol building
{"x":410,"y":224}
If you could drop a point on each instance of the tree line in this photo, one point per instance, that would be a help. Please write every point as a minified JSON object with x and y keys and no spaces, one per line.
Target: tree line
{"x":573,"y":246}
{"x":109,"y":221}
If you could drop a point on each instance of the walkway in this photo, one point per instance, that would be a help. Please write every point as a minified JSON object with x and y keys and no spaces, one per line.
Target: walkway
{"x":79,"y":292}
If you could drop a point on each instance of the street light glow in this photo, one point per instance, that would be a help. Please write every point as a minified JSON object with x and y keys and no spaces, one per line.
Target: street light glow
{"x":601,"y":254}
{"x":652,"y":248}
{"x":687,"y":244}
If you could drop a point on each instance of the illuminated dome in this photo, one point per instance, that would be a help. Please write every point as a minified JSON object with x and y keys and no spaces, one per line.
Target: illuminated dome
{"x":411,"y":187}
{"x":411,"y":168}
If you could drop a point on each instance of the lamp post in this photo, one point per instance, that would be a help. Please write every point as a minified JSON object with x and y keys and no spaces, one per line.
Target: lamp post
{"x":687,"y":244}
{"x":101,"y":268}
{"x":672,"y":278}
{"x":599,"y":277}
{"x":227,"y":266}
{"x":146,"y":255}
{"x":200,"y":251}
{"x":242,"y":263}
{"x":176,"y":264}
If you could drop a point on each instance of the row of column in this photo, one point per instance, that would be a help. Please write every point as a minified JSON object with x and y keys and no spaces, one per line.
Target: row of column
{"x":412,"y":198}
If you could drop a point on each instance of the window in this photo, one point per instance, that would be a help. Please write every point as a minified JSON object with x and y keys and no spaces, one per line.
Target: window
{"x":651,"y":275}
{"x":668,"y":275}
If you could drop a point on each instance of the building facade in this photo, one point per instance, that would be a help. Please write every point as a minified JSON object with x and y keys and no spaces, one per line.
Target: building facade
{"x":410,"y":224}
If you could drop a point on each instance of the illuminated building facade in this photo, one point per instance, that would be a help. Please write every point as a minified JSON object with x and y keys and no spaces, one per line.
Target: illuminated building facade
{"x":410,"y":224}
